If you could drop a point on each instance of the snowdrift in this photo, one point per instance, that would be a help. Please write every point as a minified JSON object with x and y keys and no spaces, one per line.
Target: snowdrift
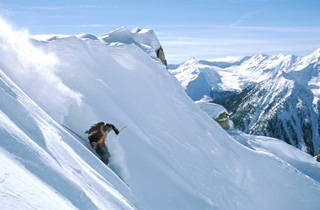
{"x":172,"y":155}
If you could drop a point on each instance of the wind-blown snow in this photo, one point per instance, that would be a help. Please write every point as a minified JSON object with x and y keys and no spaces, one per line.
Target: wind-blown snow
{"x":172,"y":155}
{"x":36,"y":69}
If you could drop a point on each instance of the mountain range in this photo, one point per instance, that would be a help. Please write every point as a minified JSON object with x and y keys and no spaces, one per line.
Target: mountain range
{"x":276,"y":96}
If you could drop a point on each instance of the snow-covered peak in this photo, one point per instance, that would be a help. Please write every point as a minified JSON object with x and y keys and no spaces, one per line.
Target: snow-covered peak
{"x":316,"y":53}
{"x":313,"y":58}
{"x":187,"y":67}
{"x":147,"y":37}
{"x":234,"y":74}
{"x":229,"y":59}
{"x":122,"y":35}
{"x":87,"y":36}
{"x":259,"y":57}
{"x":191,"y":61}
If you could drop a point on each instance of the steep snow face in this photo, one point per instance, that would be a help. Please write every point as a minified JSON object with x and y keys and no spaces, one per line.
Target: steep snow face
{"x":300,"y":160}
{"x":171,"y":154}
{"x":276,"y":96}
{"x":44,"y":167}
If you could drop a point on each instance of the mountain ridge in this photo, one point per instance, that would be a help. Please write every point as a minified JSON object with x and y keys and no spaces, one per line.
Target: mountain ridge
{"x":267,"y":78}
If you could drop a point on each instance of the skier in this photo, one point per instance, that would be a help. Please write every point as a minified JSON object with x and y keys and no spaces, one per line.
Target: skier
{"x":97,"y":136}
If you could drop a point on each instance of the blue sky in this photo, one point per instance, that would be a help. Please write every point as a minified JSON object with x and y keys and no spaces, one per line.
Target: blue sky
{"x":203,"y":29}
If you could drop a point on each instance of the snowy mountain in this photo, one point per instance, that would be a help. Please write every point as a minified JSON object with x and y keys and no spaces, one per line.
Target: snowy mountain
{"x":275,"y":96}
{"x":172,"y":155}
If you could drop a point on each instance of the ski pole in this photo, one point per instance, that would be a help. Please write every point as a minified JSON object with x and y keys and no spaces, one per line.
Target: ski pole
{"x":121,"y":129}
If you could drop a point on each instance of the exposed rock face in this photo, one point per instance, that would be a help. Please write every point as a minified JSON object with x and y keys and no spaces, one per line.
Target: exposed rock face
{"x":161,"y":56}
{"x":223,"y":120}
{"x":216,"y":112}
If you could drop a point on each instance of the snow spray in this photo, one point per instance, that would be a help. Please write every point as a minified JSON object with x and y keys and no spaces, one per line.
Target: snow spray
{"x":117,"y":160}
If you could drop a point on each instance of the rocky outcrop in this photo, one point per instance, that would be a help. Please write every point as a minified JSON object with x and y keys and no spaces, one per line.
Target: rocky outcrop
{"x":223,"y":120}
{"x":161,"y":56}
{"x":317,"y":157}
{"x":217,"y":113}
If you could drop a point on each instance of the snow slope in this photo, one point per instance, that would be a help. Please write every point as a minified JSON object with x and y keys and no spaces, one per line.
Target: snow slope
{"x":172,"y":155}
{"x":275,"y":96}
{"x":44,"y":167}
{"x":274,"y":147}
{"x":302,"y":161}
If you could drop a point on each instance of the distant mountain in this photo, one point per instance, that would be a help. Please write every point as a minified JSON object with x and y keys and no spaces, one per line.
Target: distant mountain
{"x":276,"y":96}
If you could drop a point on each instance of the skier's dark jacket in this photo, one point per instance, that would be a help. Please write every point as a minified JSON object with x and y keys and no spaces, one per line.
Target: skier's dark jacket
{"x":94,"y":137}
{"x":95,"y":133}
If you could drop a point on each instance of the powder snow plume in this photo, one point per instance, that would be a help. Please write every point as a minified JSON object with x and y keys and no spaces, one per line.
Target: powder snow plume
{"x":31,"y":67}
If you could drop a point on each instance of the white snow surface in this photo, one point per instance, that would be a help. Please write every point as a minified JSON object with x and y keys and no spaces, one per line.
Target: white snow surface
{"x":300,"y":160}
{"x":212,"y":109}
{"x":171,"y":154}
